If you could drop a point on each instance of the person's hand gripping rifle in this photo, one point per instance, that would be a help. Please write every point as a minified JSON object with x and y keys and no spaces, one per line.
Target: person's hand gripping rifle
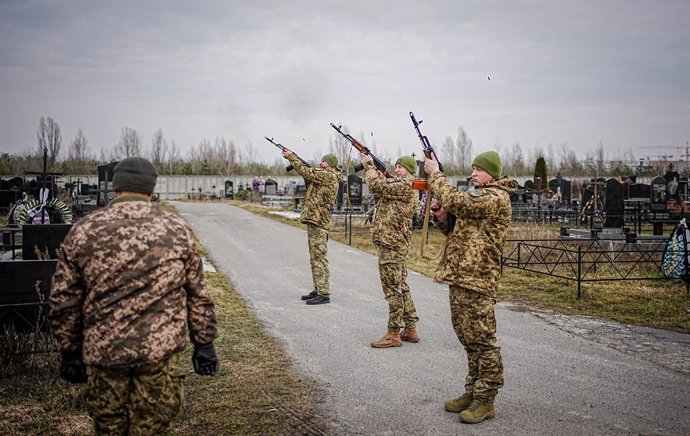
{"x":380,"y":166}
{"x":286,"y":153}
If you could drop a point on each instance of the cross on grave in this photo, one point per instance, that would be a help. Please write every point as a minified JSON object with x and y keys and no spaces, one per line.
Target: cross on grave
{"x":43,"y":174}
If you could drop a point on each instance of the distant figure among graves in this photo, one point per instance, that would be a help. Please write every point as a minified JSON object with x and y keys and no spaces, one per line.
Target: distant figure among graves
{"x":256,"y":185}
{"x":128,"y":282}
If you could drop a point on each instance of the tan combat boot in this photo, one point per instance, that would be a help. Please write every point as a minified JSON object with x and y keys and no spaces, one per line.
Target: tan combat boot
{"x":390,"y":339}
{"x":459,"y":404}
{"x":410,"y":335}
{"x":478,"y":411}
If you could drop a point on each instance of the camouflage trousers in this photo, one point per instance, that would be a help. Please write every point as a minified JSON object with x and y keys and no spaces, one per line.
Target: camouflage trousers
{"x":401,"y":310}
{"x":474,"y":323}
{"x":318,"y":248}
{"x":141,"y":400}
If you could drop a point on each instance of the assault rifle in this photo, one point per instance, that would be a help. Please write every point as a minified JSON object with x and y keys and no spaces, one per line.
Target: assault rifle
{"x":426,"y":146}
{"x":362,"y":149}
{"x":428,"y":152}
{"x":282,"y":147}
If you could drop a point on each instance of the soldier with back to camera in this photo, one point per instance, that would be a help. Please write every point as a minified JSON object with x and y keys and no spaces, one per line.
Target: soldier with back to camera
{"x":129,"y":282}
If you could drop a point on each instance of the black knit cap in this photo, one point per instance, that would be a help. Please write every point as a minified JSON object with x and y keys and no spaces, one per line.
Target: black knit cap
{"x":135,"y":174}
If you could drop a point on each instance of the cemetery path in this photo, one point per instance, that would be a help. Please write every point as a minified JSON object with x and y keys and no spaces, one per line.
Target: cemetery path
{"x":556,"y":381}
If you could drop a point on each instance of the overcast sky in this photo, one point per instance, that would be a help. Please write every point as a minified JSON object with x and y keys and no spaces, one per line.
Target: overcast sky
{"x":577,"y":72}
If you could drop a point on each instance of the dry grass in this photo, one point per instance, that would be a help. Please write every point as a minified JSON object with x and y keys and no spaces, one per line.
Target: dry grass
{"x":257,"y":391}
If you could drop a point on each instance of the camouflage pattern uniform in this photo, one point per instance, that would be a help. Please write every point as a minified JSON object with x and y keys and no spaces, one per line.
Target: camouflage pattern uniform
{"x":128,"y":282}
{"x":322,"y":190}
{"x":396,"y":203}
{"x":471,"y":266}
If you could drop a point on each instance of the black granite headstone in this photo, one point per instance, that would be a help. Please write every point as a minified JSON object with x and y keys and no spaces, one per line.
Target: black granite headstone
{"x":658,"y":194}
{"x":25,"y":283}
{"x":566,"y":191}
{"x":42,"y":237}
{"x":614,"y":204}
{"x":229,"y":189}
{"x":639,"y":190}
{"x":270,"y":187}
{"x":354,"y":189}
{"x":105,"y":183}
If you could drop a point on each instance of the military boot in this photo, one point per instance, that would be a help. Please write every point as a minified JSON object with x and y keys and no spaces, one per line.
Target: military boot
{"x":478,"y":411}
{"x":459,"y":404}
{"x":390,"y":339}
{"x":409,"y":335}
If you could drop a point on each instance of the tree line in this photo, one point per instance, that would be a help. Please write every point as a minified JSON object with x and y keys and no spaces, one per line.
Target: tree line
{"x":223,"y":157}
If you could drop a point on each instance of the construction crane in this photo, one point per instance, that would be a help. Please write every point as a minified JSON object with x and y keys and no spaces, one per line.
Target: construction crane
{"x":682,"y":155}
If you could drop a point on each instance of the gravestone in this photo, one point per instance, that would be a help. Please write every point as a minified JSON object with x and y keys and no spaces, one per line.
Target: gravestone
{"x":566,"y":191}
{"x":354,"y":189}
{"x":291,"y":186}
{"x":658,"y":194}
{"x":229,"y":189}
{"x":105,"y":184}
{"x":270,"y":187}
{"x":518,"y":196}
{"x":587,"y":195}
{"x":639,"y":190}
{"x":340,"y":196}
{"x":462,"y":185}
{"x":301,"y":190}
{"x":42,"y":237}
{"x":683,"y":189}
{"x":25,"y":286}
{"x":614,"y":203}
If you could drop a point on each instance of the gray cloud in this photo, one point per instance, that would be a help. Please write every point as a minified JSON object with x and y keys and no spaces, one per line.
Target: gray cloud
{"x":561,"y":71}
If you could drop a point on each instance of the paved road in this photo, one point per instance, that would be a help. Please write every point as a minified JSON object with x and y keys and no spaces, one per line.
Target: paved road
{"x":556,"y":381}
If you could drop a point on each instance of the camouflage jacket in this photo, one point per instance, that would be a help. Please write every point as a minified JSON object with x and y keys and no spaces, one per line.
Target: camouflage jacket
{"x":322,"y":190}
{"x":396,"y":203}
{"x":128,"y":281}
{"x":473,"y":251}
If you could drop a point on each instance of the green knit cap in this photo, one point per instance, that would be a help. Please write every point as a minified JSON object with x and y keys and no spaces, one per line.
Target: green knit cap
{"x":134,"y":174}
{"x":331,"y":160}
{"x":489,"y":162}
{"x":409,"y":163}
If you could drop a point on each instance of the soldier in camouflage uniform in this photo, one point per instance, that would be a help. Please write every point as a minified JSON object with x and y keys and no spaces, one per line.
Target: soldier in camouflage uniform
{"x":322,"y":190}
{"x":471,"y":266}
{"x":396,"y":203}
{"x":128,"y":282}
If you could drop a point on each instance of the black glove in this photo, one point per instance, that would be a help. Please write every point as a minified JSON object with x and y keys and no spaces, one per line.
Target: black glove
{"x":204,"y":359}
{"x":72,"y":368}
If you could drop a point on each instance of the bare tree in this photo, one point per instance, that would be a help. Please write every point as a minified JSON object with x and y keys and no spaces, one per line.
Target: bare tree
{"x":78,"y":147}
{"x":77,"y":159}
{"x":599,"y":157}
{"x":49,"y":137}
{"x":130,"y":143}
{"x":551,"y":157}
{"x":173,"y":158}
{"x":340,"y":147}
{"x":464,"y":155}
{"x":447,"y":157}
{"x":517,"y":163}
{"x":159,"y":147}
